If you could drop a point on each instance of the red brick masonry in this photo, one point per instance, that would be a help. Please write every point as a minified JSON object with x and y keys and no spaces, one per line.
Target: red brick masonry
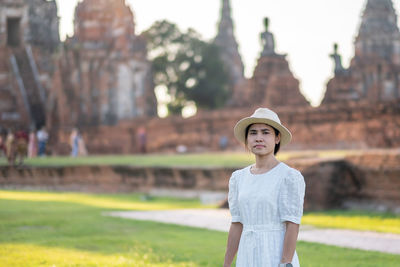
{"x":370,"y":180}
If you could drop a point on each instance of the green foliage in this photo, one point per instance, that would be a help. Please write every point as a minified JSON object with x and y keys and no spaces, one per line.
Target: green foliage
{"x":190,"y":69}
{"x":64,"y":229}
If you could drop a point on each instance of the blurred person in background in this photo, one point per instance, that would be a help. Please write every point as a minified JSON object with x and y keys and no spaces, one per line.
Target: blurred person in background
{"x":21,"y":143}
{"x":223,"y":142}
{"x":42,"y":137}
{"x":2,"y":144}
{"x":77,"y":144}
{"x":10,"y":147}
{"x":82,"y":151}
{"x":73,"y":142}
{"x":142,"y":136}
{"x":32,"y":144}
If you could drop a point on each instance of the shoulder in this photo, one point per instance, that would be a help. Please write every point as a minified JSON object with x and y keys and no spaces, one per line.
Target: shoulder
{"x":292,"y":175}
{"x":239,"y":173}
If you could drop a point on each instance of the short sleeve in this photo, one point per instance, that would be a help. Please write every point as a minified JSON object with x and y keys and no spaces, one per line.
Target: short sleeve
{"x":233,"y":198}
{"x":291,"y":197}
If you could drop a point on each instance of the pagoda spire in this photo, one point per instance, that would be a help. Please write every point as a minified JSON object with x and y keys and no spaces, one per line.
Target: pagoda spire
{"x":225,"y":39}
{"x":379,"y":34}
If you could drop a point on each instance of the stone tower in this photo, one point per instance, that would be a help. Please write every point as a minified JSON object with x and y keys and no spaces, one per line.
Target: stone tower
{"x":273,"y":84}
{"x":379,"y":35}
{"x":225,"y":39}
{"x":28,"y":37}
{"x":374,"y":72}
{"x":110,"y":78}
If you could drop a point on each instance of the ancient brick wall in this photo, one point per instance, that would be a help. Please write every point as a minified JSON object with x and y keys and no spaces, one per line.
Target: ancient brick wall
{"x":114,"y":178}
{"x":347,"y":126}
{"x":380,"y":180}
{"x":366,"y":181}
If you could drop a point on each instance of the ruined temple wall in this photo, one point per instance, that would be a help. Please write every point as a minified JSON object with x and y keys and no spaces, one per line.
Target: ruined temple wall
{"x":333,"y":127}
{"x":330,"y":127}
{"x":109,"y":78}
{"x":14,"y":9}
{"x":29,"y":35}
{"x":370,"y":180}
{"x":380,"y":180}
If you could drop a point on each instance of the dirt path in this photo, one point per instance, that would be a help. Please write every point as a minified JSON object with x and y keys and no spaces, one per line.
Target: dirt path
{"x":220,"y":220}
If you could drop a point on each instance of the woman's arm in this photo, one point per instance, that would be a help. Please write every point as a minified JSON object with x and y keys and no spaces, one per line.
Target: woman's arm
{"x":289,"y":243}
{"x":233,"y":242}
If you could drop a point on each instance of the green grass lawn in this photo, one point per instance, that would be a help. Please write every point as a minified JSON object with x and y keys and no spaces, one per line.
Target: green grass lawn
{"x":355,"y":220}
{"x":67,"y":229}
{"x":226,"y":159}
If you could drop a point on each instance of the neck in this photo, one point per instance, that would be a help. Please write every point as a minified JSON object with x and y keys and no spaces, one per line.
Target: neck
{"x":266,"y":161}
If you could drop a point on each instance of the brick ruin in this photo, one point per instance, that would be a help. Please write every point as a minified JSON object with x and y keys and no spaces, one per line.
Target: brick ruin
{"x":28,"y":39}
{"x":229,"y":52}
{"x":100,"y":80}
{"x":344,"y":126}
{"x":368,"y":181}
{"x":98,"y":76}
{"x":272,"y":79}
{"x":374,"y":72}
{"x":341,"y":122}
{"x":105,"y":62}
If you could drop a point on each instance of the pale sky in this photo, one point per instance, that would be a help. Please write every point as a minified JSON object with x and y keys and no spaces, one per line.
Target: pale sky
{"x":304,"y":30}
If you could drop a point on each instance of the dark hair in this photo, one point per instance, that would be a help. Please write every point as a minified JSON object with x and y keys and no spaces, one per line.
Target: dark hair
{"x":277,"y":146}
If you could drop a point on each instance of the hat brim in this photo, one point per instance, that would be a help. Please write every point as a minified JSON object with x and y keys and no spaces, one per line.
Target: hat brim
{"x":240,"y":128}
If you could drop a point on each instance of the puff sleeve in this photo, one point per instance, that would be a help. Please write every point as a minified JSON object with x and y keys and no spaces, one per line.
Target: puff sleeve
{"x":233,"y":198}
{"x":291,"y":197}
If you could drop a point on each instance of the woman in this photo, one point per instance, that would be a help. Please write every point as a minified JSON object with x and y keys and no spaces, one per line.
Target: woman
{"x":10,"y":147}
{"x":32,"y":144}
{"x":74,"y":142}
{"x":265,"y":199}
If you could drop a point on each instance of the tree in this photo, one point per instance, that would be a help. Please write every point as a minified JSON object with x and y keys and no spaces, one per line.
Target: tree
{"x":190,"y":69}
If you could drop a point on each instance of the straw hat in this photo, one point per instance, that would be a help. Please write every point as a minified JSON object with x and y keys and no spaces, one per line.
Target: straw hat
{"x":266,"y":116}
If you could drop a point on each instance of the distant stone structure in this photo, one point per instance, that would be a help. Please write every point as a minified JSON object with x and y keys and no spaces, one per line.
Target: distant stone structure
{"x":267,"y":40}
{"x":273,"y":84}
{"x":339,"y":69}
{"x":28,"y":37}
{"x":226,"y":41}
{"x":373,"y":74}
{"x":100,"y":75}
{"x":110,"y":78}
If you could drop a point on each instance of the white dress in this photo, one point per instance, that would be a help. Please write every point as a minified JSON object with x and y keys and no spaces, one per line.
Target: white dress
{"x":262,"y":203}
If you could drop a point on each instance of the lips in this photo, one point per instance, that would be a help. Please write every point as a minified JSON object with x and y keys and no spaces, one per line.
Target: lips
{"x":259,"y":146}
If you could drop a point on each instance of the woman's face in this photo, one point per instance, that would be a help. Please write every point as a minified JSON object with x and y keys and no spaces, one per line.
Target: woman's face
{"x":261,"y":139}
